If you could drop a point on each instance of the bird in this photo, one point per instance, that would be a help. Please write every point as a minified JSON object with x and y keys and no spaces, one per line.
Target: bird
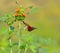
{"x":28,"y":27}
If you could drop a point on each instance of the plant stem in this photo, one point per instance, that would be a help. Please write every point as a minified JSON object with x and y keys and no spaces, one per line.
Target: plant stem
{"x":19,"y":28}
{"x":19,"y":47}
{"x":11,"y":47}
{"x":10,"y":41}
{"x":26,"y":48}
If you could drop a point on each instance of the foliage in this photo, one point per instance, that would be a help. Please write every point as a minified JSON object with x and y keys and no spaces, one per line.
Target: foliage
{"x":28,"y":43}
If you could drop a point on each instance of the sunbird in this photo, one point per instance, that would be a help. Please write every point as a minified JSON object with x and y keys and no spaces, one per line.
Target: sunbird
{"x":28,"y":27}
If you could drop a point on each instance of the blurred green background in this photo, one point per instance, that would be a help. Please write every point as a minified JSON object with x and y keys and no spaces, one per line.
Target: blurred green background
{"x":46,"y":18}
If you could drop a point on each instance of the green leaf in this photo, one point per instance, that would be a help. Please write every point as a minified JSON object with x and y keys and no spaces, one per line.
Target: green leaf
{"x":15,"y":43}
{"x":10,"y":22}
{"x":33,"y":48}
{"x":6,"y":17}
{"x":21,"y":9}
{"x":12,"y":28}
{"x":10,"y":45}
{"x":3,"y":18}
{"x":20,"y":18}
{"x":23,"y":45}
{"x":33,"y":10}
{"x":28,"y":38}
